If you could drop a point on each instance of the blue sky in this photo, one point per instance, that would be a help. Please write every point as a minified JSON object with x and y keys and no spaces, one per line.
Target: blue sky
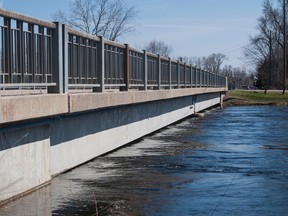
{"x":191,"y":27}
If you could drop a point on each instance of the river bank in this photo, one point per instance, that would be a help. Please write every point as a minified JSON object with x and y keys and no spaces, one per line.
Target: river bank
{"x":255,"y":98}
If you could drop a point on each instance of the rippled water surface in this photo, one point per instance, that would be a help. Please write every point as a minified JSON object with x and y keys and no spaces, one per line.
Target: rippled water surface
{"x":228,"y":162}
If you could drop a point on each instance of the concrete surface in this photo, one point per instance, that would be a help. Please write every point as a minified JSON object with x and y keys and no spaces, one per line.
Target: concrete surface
{"x":16,"y":108}
{"x":62,"y":136}
{"x":24,"y":160}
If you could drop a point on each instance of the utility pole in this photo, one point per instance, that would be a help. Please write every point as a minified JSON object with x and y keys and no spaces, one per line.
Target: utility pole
{"x":284,"y":52}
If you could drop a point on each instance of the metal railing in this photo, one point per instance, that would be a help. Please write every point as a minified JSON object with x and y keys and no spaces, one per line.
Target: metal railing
{"x":136,"y":64}
{"x":82,"y":60}
{"x":25,"y":51}
{"x":165,"y":72}
{"x":114,"y":64}
{"x":35,"y":53}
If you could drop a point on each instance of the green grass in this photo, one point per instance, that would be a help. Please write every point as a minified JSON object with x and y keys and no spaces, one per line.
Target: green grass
{"x":259,"y":96}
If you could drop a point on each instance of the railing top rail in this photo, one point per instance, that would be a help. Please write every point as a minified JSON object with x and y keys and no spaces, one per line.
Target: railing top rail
{"x":113,"y":43}
{"x":82,"y":34}
{"x":174,"y":61}
{"x":136,"y":50}
{"x":24,"y":18}
{"x":182,"y":63}
{"x":152,"y":55}
{"x":165,"y":58}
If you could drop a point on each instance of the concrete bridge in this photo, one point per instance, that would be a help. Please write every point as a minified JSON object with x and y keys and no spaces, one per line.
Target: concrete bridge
{"x":67,"y":97}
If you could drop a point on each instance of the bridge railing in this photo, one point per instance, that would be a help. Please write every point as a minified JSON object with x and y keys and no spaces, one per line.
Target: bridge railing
{"x":136,"y":65}
{"x":36,"y":53}
{"x":82,"y":60}
{"x":25,"y":51}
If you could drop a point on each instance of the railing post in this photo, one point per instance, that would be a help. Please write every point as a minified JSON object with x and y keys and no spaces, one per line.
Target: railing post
{"x":59,"y":46}
{"x":101,"y":65}
{"x":126,"y":69}
{"x":191,"y":76}
{"x":209,"y":79}
{"x":205,"y":78}
{"x":200,"y":77}
{"x":8,"y":50}
{"x":159,"y":71}
{"x":185,"y":77}
{"x":178,"y":74}
{"x":170,"y":73}
{"x":196,"y":77}
{"x":145,"y":64}
{"x":20,"y":54}
{"x":65,"y":60}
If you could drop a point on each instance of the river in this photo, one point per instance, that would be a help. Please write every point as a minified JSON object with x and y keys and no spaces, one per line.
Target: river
{"x":228,"y":162}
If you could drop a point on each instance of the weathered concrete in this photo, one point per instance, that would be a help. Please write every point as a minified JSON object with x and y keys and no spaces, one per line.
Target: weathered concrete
{"x":24,"y":160}
{"x":84,"y":101}
{"x":24,"y":107}
{"x":80,"y":138}
{"x":16,"y":108}
{"x":68,"y":130}
{"x":204,"y":101}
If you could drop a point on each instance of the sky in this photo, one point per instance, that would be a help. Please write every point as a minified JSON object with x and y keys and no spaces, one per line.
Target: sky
{"x":193,"y":28}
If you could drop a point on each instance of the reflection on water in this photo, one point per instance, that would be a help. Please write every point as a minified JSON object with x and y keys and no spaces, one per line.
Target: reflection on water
{"x":230,"y":162}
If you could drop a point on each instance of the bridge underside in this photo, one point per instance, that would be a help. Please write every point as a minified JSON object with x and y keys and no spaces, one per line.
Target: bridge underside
{"x":49,"y":140}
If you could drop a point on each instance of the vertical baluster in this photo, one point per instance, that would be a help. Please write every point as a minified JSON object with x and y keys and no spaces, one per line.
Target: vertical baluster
{"x":18,"y":51}
{"x":41,"y":51}
{"x":159,"y":72}
{"x":8,"y":50}
{"x":31,"y":52}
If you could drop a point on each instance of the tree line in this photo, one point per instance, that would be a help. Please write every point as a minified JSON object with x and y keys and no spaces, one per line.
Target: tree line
{"x":265,"y":50}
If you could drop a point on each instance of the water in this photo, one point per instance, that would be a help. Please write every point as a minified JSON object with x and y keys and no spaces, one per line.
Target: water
{"x":229,"y":162}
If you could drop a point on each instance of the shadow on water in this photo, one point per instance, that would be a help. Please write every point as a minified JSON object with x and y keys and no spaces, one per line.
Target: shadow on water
{"x":228,"y":162}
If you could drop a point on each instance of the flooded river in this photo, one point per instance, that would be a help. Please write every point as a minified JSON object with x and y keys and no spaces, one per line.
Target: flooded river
{"x":228,"y":162}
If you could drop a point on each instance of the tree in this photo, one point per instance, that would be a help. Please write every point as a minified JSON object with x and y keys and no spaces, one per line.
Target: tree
{"x":265,"y":50}
{"x":237,"y":77}
{"x":108,"y":18}
{"x":159,"y":47}
{"x":213,"y":62}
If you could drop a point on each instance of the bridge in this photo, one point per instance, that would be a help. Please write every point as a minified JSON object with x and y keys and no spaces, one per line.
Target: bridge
{"x":67,"y":97}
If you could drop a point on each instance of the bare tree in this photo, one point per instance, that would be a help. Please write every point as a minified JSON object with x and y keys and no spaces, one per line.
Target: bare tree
{"x":108,"y":18}
{"x":237,"y":77}
{"x":213,"y":62}
{"x":159,"y":47}
{"x":265,"y":50}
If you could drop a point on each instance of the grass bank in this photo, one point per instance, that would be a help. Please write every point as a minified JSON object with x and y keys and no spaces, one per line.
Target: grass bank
{"x":246,"y":98}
